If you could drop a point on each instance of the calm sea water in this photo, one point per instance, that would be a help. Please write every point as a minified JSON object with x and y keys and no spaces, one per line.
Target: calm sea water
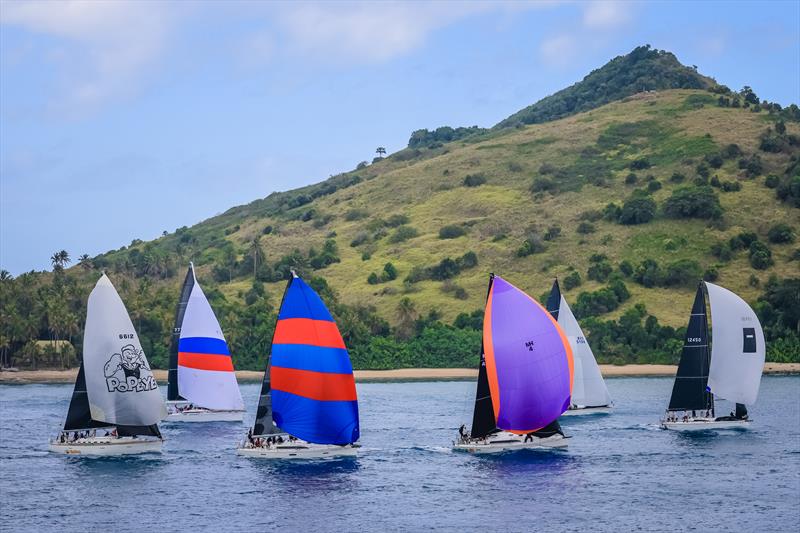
{"x":620,"y":472}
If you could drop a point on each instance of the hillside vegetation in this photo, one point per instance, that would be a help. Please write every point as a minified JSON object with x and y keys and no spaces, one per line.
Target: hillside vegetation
{"x":629,"y":204}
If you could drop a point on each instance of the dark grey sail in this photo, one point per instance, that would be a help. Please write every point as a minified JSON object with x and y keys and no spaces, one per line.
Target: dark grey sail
{"x":553,"y":428}
{"x":483,"y":421}
{"x":263,"y":424}
{"x":690,"y":391}
{"x":79,"y":416}
{"x":172,"y":374}
{"x":554,"y":300}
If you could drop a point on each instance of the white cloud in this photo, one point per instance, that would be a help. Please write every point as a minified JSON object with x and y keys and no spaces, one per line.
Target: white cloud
{"x":558,"y":50}
{"x":104,"y":48}
{"x":604,"y":15}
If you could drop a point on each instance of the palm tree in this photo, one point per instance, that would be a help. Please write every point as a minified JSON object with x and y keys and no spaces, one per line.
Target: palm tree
{"x":85,"y":262}
{"x":63,"y":255}
{"x":407,"y":316}
{"x":381,"y":151}
{"x":255,"y":250}
{"x":5,"y":275}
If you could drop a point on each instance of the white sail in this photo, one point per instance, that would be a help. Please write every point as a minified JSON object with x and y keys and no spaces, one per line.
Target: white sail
{"x":588,"y":387}
{"x":737,"y":347}
{"x":119,"y":384}
{"x":205,"y":368}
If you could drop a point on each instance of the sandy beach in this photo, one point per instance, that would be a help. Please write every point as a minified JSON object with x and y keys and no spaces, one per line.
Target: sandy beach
{"x":401,"y":374}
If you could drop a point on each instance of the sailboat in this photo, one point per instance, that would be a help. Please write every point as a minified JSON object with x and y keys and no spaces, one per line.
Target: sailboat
{"x":201,"y":383}
{"x":524,"y":379}
{"x":308,"y":408}
{"x":730,"y":369}
{"x":116,"y":405}
{"x":589,"y":391}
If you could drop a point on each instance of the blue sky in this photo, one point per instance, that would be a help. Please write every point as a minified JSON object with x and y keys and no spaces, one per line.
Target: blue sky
{"x":119,"y":120}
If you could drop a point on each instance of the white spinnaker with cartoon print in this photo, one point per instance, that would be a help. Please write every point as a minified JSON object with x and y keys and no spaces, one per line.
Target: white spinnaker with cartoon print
{"x":588,"y":387}
{"x":119,"y":383}
{"x":737,"y":347}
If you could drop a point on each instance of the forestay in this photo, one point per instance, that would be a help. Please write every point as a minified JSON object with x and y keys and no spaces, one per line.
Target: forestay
{"x":737,"y":347}
{"x":529,"y":362}
{"x":205,"y":368}
{"x":310,"y":374}
{"x":120,"y":387}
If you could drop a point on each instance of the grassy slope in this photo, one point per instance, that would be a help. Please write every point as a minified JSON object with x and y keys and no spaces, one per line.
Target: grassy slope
{"x":429,"y":190}
{"x":431,"y":193}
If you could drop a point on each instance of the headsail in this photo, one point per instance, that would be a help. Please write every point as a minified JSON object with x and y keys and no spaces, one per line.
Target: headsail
{"x":172,"y":375}
{"x":529,"y":362}
{"x":120,"y":386}
{"x":311,"y":377}
{"x":689,"y":391}
{"x":205,"y":367}
{"x":738,"y":349}
{"x":589,"y":389}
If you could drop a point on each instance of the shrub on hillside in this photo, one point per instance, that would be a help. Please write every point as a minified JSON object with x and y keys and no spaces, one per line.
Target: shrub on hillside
{"x":631,"y":179}
{"x":403,"y":233}
{"x":356,"y":214}
{"x":781,"y":234}
{"x":653,"y":186}
{"x":585,"y":228}
{"x":474,"y":180}
{"x":693,"y":202}
{"x":397,"y":220}
{"x":640,"y":164}
{"x":772,"y":181}
{"x":452,"y":231}
{"x":552,"y":233}
{"x":572,"y":280}
{"x":542,"y":184}
{"x":637,"y":209}
{"x":760,"y":256}
{"x":600,"y":271}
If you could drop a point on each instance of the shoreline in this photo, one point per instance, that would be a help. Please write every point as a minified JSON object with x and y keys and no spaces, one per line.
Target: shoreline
{"x":400,"y":374}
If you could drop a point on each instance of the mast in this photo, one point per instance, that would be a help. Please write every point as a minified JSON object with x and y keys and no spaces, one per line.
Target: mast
{"x":690,"y":391}
{"x":554,"y":300}
{"x":263,"y":423}
{"x":483,"y":420}
{"x":180,"y":310}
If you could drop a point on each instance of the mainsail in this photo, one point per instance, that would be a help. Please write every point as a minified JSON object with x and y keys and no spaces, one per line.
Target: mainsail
{"x":589,"y":389}
{"x":205,"y":368}
{"x":738,"y":348}
{"x":309,"y":383}
{"x":529,"y":363}
{"x":121,"y":389}
{"x":172,"y":375}
{"x":689,"y":391}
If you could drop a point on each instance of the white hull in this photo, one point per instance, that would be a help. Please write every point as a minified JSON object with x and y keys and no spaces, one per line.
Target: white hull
{"x":106,"y":446}
{"x":604,"y":410}
{"x":199,"y":414}
{"x":703,"y":424}
{"x":299,"y":450}
{"x":505,"y":442}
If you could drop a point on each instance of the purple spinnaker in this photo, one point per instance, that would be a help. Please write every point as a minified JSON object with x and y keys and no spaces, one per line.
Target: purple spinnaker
{"x":529,"y":361}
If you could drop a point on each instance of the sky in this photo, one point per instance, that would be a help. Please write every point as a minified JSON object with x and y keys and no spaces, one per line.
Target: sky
{"x":123,"y":119}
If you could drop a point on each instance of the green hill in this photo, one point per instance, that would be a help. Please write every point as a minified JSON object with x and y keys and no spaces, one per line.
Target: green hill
{"x":628,"y":203}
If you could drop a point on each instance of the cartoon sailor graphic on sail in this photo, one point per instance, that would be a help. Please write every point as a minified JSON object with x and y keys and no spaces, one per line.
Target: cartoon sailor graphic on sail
{"x":124,"y":371}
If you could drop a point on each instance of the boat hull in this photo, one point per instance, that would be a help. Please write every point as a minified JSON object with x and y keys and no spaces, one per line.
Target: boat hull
{"x":200,"y":415}
{"x":705,"y":424}
{"x":107,"y":446}
{"x":506,"y":442}
{"x":299,"y":451}
{"x":603,"y":410}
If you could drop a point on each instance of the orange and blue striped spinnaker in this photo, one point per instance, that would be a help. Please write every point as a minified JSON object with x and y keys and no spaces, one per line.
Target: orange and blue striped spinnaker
{"x":311,"y":377}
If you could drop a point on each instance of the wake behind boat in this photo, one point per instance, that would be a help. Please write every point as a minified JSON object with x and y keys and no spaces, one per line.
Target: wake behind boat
{"x":589,"y":392}
{"x":308,"y":407}
{"x":201,"y":384}
{"x":115,"y":406}
{"x":524,"y":379}
{"x":731,"y":369}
